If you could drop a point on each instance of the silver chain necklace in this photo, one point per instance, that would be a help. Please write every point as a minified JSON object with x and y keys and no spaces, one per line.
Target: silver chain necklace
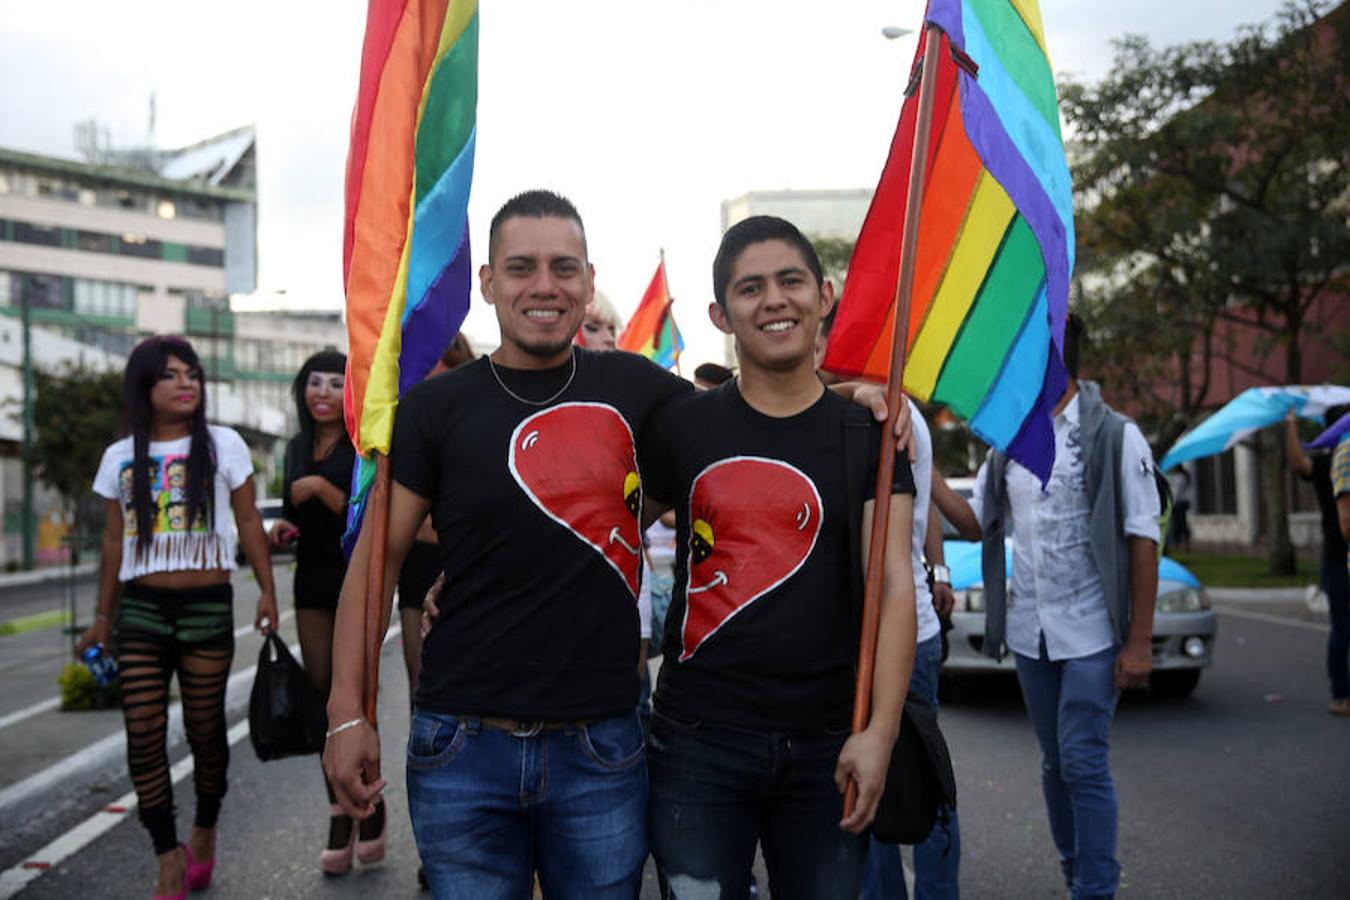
{"x":528,"y":402}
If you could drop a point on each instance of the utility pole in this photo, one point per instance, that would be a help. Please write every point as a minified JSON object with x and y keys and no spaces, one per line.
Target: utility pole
{"x":29,"y":542}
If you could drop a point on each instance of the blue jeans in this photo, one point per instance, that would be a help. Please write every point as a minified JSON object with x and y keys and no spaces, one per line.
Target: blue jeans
{"x":490,"y":808}
{"x":1071,"y":703}
{"x":938,"y":859}
{"x":717,"y":791}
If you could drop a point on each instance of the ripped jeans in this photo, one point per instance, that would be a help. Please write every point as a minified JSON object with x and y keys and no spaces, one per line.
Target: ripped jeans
{"x":716,"y":792}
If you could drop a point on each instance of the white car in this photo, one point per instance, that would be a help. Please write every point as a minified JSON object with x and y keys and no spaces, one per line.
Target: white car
{"x":1184,"y":625}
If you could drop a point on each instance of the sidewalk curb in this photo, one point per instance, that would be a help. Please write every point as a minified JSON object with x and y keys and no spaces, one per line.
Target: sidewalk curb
{"x":38,"y":576}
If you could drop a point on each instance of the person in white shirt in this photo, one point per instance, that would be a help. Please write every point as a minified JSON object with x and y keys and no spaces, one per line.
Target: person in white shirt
{"x":1079,"y":615}
{"x":179,"y":500}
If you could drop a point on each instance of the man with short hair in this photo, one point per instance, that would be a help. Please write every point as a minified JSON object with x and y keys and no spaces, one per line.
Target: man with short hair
{"x":526,"y":460}
{"x":525,"y":753}
{"x":1078,"y":617}
{"x":770,"y":476}
{"x":709,"y":375}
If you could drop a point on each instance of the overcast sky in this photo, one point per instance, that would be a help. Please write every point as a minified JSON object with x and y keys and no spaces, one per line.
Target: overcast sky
{"x":647,"y":114}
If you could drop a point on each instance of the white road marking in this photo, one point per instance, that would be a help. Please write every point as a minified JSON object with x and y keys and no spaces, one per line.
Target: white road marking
{"x":51,"y":703}
{"x":28,"y":712}
{"x":16,"y":878}
{"x":1276,"y":620}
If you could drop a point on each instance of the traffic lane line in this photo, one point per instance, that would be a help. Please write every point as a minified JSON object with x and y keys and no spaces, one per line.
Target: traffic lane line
{"x":51,"y":703}
{"x":236,"y":695}
{"x":16,"y":878}
{"x":1273,"y":619}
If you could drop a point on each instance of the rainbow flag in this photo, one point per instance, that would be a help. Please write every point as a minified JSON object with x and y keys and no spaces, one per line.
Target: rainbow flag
{"x":406,"y":239}
{"x":652,"y":330}
{"x":996,"y":242}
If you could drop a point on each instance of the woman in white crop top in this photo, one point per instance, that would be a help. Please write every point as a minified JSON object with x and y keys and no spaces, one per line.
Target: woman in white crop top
{"x":179,"y":499}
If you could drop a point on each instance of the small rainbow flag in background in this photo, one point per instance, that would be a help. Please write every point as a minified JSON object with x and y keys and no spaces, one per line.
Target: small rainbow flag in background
{"x":652,"y":330}
{"x":996,"y":241}
{"x":406,"y":240}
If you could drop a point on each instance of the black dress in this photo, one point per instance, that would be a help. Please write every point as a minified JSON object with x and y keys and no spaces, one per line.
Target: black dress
{"x":319,"y":562}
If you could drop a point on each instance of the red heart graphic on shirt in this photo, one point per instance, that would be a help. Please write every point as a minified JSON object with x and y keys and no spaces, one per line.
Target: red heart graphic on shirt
{"x":753,"y":522}
{"x":577,"y":462}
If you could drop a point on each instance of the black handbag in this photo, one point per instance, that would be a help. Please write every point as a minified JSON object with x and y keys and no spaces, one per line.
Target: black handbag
{"x":286,"y":713}
{"x":920,"y":786}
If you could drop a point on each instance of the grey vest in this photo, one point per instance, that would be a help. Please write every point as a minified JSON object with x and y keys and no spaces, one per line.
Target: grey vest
{"x":1102,"y":430}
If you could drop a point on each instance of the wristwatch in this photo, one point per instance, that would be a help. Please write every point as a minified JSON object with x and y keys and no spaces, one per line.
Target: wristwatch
{"x":941,"y":574}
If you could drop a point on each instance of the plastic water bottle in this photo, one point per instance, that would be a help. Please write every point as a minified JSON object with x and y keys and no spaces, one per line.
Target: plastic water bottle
{"x":100,"y":664}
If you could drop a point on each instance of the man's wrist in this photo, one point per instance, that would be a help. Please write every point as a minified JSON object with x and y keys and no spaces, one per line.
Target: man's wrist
{"x":941,"y":574}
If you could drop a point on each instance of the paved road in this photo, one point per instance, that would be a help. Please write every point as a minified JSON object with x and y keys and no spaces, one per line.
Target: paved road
{"x":1241,"y":790}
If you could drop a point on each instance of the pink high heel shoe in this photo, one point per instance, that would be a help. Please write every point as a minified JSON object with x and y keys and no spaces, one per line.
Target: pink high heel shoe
{"x":371,"y":850}
{"x":198,"y":877}
{"x":339,"y":861}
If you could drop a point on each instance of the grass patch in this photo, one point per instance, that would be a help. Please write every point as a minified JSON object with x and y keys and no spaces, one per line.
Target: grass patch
{"x":1222,"y":570}
{"x":35,"y":622}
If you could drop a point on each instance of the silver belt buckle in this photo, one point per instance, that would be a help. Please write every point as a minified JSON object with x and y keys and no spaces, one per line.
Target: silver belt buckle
{"x":527,"y":729}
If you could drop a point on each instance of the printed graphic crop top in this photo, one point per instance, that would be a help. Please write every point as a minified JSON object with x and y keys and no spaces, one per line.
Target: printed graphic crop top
{"x":177,"y":545}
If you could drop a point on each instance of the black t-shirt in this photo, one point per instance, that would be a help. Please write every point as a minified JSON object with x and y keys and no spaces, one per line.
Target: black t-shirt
{"x":536,"y":511}
{"x":762,"y":632}
{"x":319,"y":560}
{"x":1333,"y":542}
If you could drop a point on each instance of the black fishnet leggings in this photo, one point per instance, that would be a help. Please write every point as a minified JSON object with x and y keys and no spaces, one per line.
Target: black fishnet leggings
{"x":147,"y":662}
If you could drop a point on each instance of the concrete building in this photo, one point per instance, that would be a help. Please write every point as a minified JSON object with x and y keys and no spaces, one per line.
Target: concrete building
{"x":825,"y":213}
{"x":141,"y":242}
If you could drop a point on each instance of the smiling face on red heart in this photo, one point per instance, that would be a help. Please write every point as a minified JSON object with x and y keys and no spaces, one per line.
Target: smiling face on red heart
{"x":752,"y":523}
{"x":576,"y":461}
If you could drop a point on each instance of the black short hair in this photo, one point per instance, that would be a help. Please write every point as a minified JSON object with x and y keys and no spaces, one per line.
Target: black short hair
{"x":1073,"y":339}
{"x":537,"y":204}
{"x":756,"y":230}
{"x":1334,"y":413}
{"x":713,"y":373}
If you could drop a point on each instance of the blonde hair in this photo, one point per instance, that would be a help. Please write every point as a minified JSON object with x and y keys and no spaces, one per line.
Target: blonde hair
{"x":602,"y":308}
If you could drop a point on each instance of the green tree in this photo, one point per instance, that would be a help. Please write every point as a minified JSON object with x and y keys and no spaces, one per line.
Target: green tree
{"x":77,"y":413}
{"x":834,"y":255}
{"x":1214,"y":181}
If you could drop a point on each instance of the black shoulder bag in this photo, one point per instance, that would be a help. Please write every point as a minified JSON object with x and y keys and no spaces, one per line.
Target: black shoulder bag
{"x":920,"y":785}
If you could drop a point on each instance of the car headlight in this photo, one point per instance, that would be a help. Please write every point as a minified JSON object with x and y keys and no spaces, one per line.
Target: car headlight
{"x":1183,"y":601}
{"x":975,"y":600}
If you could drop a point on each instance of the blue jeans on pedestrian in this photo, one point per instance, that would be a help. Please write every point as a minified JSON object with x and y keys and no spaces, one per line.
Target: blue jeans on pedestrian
{"x":1336,"y":583}
{"x":490,"y":808}
{"x":938,"y":859}
{"x":717,"y":791}
{"x":1071,"y":702}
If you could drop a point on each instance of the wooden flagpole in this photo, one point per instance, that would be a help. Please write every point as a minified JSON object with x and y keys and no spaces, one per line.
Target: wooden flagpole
{"x":881,"y":510}
{"x":377,"y":520}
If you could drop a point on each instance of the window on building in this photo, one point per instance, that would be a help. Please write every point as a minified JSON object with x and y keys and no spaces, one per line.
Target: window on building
{"x":105,"y":298}
{"x":57,"y":188}
{"x":29,"y":233}
{"x":1216,"y":485}
{"x":93,"y":242}
{"x":206,"y":256}
{"x":200,"y":208}
{"x":45,"y":292}
{"x":9,"y":290}
{"x":140,"y":246}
